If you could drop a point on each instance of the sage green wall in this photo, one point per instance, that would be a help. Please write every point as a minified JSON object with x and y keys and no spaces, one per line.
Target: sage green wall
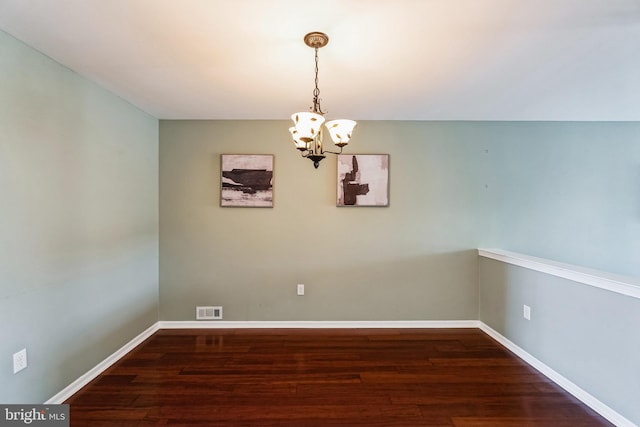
{"x":415,"y":259}
{"x":586,"y":334}
{"x":569,"y":192}
{"x":78,"y":223}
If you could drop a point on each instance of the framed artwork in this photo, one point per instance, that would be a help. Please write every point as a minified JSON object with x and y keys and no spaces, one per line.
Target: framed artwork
{"x":363,"y":180}
{"x":246,"y":180}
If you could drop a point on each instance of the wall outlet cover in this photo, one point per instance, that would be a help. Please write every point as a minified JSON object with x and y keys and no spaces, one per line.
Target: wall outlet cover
{"x":19,"y":360}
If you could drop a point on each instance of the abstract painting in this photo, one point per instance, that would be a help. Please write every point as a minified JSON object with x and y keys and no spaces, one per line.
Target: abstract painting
{"x":246,"y":180}
{"x":363,"y":180}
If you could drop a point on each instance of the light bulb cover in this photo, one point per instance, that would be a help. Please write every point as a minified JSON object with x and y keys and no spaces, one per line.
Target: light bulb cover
{"x":307,"y":125}
{"x":340,"y":131}
{"x":300,"y":145}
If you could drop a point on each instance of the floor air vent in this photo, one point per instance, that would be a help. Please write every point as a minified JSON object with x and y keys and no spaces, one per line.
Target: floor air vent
{"x":208,"y":313}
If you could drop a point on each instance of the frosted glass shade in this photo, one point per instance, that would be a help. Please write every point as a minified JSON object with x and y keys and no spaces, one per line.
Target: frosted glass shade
{"x":340,"y":131}
{"x":300,"y":145}
{"x":307,"y":125}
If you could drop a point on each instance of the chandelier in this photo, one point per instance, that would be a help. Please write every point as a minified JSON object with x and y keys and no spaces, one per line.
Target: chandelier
{"x":307,"y":130}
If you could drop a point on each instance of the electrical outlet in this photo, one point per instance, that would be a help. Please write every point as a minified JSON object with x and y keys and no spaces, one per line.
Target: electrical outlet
{"x":300,"y":289}
{"x":19,"y":360}
{"x":526,"y":312}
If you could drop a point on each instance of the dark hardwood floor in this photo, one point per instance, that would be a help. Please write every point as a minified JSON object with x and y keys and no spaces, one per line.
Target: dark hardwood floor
{"x":322,"y":377}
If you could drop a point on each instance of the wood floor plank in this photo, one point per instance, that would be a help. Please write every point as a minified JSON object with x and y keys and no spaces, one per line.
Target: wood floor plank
{"x":524,"y":422}
{"x":316,"y":377}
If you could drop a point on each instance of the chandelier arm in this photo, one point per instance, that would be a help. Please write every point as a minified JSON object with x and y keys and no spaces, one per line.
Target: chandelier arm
{"x":333,"y":152}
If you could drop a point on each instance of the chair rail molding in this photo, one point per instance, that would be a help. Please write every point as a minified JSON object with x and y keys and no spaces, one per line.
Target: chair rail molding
{"x":624,"y":285}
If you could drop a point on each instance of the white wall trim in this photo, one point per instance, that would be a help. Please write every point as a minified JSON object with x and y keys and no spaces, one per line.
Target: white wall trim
{"x":330,"y":324}
{"x":595,"y":404}
{"x":629,"y":286}
{"x":93,"y":373}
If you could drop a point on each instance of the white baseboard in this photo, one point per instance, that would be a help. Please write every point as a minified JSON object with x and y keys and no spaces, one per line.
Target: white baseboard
{"x":93,"y":373}
{"x":356,"y":324}
{"x":589,"y":400}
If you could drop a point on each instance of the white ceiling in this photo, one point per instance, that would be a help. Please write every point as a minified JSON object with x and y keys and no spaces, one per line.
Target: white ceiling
{"x":386,"y":59}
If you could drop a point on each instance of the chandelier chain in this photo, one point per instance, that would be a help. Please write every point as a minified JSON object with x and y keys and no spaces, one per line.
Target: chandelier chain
{"x":316,"y":92}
